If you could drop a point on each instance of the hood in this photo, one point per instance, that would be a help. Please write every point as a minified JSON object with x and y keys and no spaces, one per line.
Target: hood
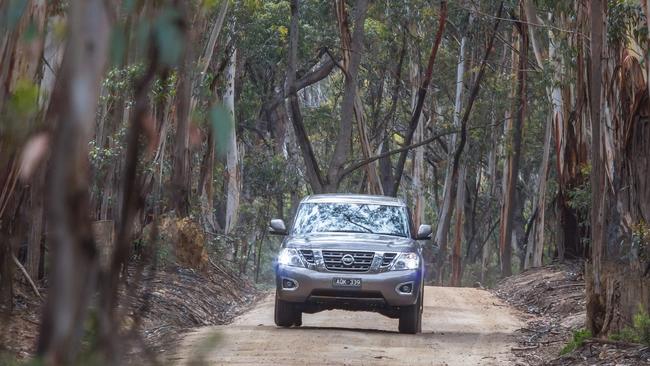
{"x":350,"y":241}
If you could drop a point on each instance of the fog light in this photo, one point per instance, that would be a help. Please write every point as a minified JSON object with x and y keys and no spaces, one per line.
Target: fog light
{"x":405,"y":288}
{"x":289,"y":284}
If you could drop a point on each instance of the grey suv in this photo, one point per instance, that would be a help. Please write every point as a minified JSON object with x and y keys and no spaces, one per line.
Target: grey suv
{"x":351,"y":252}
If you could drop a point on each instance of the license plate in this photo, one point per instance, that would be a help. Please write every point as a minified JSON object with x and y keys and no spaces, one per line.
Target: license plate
{"x":346,"y":282}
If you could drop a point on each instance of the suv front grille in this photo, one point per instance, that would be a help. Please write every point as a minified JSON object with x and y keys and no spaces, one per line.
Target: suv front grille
{"x":388,"y":259}
{"x":333,"y":261}
{"x":308,"y":255}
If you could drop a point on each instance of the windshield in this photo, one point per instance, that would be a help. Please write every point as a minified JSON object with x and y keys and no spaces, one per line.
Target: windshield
{"x":355,"y":218}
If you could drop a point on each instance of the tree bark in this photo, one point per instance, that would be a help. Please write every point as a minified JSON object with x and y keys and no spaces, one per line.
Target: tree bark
{"x":35,"y":237}
{"x":507,"y":213}
{"x":233,"y":176}
{"x":181,"y":159}
{"x":446,"y":212}
{"x":313,"y":172}
{"x":456,"y":258}
{"x":422,"y":92}
{"x":595,"y":307}
{"x":74,"y":256}
{"x":374,"y":186}
{"x":418,"y":153}
{"x":555,"y":98}
{"x":342,"y":146}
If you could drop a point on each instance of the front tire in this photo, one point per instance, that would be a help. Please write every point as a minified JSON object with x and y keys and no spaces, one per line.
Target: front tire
{"x":297,"y":321}
{"x":410,"y":318}
{"x":286,"y":314}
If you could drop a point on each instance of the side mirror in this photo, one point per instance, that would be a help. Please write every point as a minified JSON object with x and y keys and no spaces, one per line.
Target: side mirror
{"x":424,"y":232}
{"x":277,"y":227}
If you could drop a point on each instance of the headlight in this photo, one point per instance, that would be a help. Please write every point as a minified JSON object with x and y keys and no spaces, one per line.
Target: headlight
{"x":290,"y":257}
{"x":406,"y":261}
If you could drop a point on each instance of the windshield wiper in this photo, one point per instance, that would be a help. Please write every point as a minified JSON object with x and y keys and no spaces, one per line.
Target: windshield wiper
{"x":348,"y":219}
{"x":347,"y":231}
{"x":392,"y":234}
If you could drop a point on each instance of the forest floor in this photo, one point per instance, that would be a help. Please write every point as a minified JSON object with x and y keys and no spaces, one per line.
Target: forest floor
{"x":553,"y":301}
{"x":461,"y":326}
{"x":182,"y":314}
{"x":168,"y":303}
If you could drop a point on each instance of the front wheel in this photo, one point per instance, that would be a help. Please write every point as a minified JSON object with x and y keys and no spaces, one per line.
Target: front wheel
{"x":410,"y":318}
{"x":285,"y":313}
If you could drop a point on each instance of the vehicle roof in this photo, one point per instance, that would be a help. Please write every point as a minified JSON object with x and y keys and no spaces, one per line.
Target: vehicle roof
{"x":354,"y":198}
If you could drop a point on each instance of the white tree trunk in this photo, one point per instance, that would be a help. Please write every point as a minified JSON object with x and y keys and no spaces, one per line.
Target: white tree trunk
{"x":374,"y":184}
{"x":206,"y":199}
{"x":418,"y":154}
{"x":535,"y":250}
{"x":444,"y":217}
{"x":233,"y":187}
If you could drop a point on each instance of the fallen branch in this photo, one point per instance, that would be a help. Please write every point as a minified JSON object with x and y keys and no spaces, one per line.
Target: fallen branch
{"x":514,"y":349}
{"x":29,"y":279}
{"x":569,"y":285}
{"x":613,"y":343}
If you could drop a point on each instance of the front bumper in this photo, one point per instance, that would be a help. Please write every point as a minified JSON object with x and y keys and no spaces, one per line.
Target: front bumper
{"x":313,"y":286}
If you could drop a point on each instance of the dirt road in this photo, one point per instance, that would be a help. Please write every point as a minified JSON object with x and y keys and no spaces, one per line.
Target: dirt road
{"x":461,"y":326}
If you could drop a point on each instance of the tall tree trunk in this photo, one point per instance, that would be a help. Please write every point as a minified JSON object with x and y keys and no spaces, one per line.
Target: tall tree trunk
{"x":233,"y":175}
{"x":342,"y":146}
{"x":595,"y":307}
{"x":536,"y":246}
{"x":507,"y":212}
{"x":422,"y":92}
{"x":74,"y":256}
{"x":313,"y":172}
{"x":445,"y":213}
{"x":418,"y":153}
{"x":181,"y":173}
{"x":385,"y":168}
{"x":476,"y":86}
{"x":646,"y":12}
{"x":35,"y":236}
{"x":456,"y":270}
{"x":205,"y":184}
{"x":374,"y":183}
{"x":460,"y":185}
{"x":205,"y":187}
{"x":374,"y":186}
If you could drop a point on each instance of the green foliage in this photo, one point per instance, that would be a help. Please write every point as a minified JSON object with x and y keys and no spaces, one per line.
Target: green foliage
{"x":579,"y":338}
{"x":625,"y":19}
{"x":120,"y":83}
{"x":165,"y":88}
{"x":580,"y":196}
{"x":639,"y":332}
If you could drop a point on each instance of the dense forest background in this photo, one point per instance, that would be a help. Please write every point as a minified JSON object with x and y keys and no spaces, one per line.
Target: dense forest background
{"x":519,"y":129}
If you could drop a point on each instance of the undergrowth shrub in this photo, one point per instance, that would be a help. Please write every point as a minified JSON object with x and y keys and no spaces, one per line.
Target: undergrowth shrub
{"x":579,"y":338}
{"x":639,"y":332}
